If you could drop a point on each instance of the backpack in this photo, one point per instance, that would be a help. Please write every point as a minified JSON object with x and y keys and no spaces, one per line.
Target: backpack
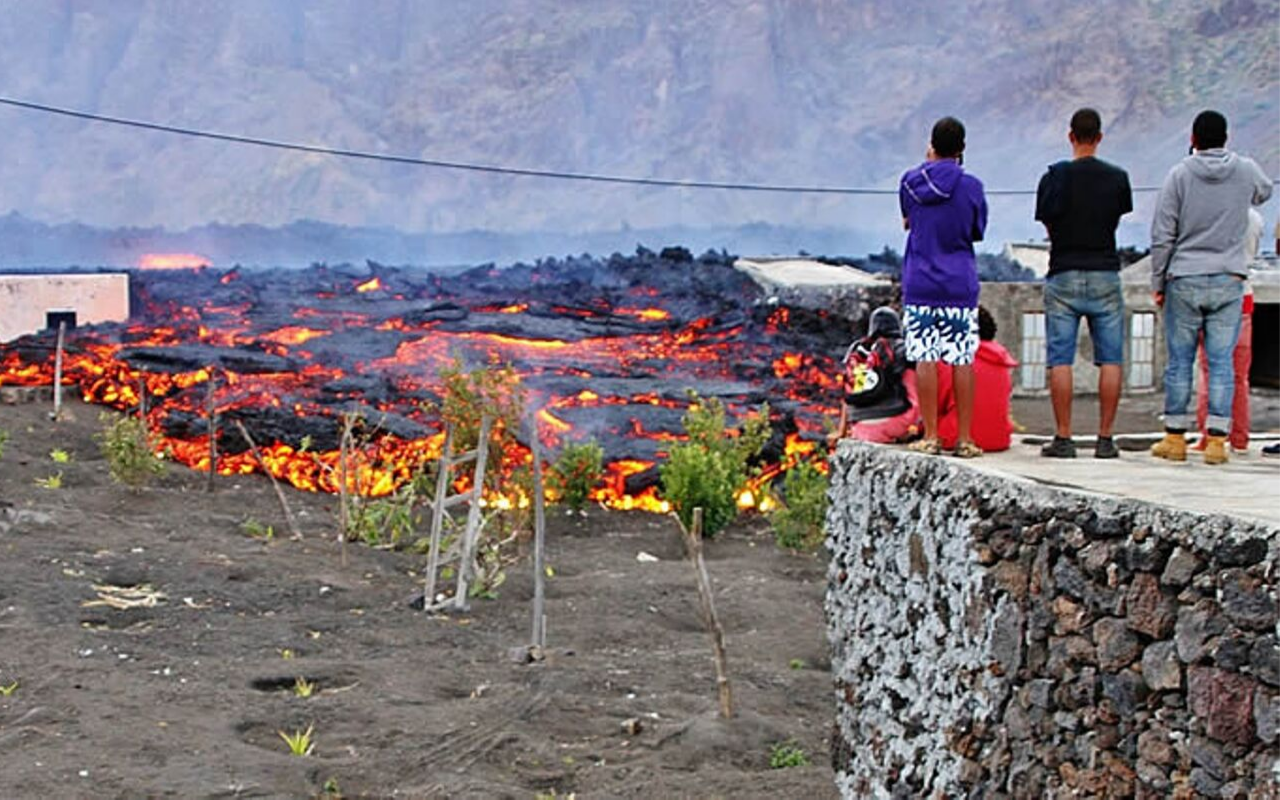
{"x":870,"y":371}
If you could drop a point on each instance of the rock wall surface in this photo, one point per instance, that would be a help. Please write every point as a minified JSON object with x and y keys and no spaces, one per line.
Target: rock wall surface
{"x":995,"y":637}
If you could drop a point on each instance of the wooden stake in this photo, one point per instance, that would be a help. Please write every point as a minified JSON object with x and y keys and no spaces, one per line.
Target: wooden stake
{"x":437,"y":519}
{"x":344,"y":521}
{"x":693,"y":542}
{"x":57,"y":372}
{"x":539,"y":638}
{"x":470,"y":534}
{"x":211,"y":413}
{"x":284,"y":503}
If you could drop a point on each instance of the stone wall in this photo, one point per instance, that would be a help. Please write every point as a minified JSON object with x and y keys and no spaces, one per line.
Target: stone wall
{"x":991,"y":636}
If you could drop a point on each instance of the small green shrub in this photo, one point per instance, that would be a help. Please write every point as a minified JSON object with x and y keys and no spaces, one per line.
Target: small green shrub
{"x":798,"y":519}
{"x":577,"y":472}
{"x":4,"y":437}
{"x":60,"y":456}
{"x":710,"y":469}
{"x":257,"y":530}
{"x":787,"y":754}
{"x":54,"y":481}
{"x":130,"y":453}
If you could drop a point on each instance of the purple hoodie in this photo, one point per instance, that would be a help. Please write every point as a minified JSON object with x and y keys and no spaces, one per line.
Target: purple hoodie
{"x":947,"y":213}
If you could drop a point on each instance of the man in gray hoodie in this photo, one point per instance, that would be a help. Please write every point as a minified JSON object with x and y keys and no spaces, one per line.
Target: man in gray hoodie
{"x":1198,"y":271}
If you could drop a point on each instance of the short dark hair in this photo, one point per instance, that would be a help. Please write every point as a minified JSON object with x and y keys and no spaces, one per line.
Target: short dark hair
{"x":1209,"y":130}
{"x":947,"y":138}
{"x":1086,"y":125}
{"x":986,"y":324}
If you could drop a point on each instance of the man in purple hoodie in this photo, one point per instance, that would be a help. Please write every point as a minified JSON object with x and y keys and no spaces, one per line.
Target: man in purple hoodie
{"x":945,"y":212}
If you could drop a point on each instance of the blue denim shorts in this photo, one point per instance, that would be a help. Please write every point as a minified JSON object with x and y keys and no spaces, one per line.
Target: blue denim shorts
{"x":943,"y":333}
{"x":1098,"y":297}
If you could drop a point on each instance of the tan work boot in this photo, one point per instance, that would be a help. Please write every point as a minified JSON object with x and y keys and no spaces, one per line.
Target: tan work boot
{"x":1172,"y":447}
{"x":1215,"y":452}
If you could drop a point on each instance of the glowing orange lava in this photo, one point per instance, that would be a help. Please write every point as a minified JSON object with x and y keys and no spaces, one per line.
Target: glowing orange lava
{"x":172,"y":261}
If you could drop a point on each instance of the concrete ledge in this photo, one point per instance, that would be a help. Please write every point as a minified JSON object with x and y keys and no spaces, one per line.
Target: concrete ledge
{"x":995,"y":636}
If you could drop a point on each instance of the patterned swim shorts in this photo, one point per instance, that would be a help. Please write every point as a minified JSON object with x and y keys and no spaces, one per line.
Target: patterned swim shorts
{"x":944,"y":333}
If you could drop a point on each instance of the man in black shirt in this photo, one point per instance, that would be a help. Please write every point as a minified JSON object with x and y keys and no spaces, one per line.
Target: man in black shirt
{"x":1080,"y":202}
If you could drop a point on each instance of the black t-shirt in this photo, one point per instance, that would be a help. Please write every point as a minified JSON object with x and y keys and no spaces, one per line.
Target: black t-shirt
{"x":1081,"y":202}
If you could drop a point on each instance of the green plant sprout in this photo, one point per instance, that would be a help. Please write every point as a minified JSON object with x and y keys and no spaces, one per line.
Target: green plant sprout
{"x":300,"y":742}
{"x":6,"y":691}
{"x":787,"y":754}
{"x":303,"y":687}
{"x":60,"y":456}
{"x":52,"y":482}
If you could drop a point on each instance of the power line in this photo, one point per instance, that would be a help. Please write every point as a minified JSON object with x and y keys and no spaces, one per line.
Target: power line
{"x":472,"y":167}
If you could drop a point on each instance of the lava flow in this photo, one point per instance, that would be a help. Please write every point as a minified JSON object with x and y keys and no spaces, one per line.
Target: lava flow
{"x":604,"y":350}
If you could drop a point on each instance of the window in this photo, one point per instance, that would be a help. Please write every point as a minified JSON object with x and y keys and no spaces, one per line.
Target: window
{"x":1033,"y":350}
{"x":1142,"y":350}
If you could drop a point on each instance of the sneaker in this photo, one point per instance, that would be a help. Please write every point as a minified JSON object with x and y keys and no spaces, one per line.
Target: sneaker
{"x":1271,"y":451}
{"x":1060,"y":447}
{"x":1172,"y":447}
{"x":1106,"y":448}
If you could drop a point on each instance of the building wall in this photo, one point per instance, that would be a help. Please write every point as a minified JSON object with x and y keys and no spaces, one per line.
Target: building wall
{"x":26,"y":299}
{"x":1009,"y":302}
{"x":993,"y":637}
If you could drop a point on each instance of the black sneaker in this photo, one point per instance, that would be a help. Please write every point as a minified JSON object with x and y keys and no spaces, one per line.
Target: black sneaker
{"x":1106,"y":448}
{"x":1060,"y":447}
{"x":1272,"y":450}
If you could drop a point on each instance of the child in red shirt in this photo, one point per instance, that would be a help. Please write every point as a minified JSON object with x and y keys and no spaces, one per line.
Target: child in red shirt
{"x":993,"y":385}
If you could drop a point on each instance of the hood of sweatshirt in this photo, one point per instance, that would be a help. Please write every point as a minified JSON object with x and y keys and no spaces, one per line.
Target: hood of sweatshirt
{"x":1212,"y":166}
{"x":992,"y":352}
{"x":933,"y":182}
{"x":884,"y":322}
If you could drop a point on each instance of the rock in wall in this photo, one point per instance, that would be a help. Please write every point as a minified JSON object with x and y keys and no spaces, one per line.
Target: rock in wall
{"x":995,"y":637}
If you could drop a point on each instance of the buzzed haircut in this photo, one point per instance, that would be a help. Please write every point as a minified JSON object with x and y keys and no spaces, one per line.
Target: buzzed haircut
{"x":1209,"y":130}
{"x":986,"y":324}
{"x":947,"y":138}
{"x":1086,"y":126}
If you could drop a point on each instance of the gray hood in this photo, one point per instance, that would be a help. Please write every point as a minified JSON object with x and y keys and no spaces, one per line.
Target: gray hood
{"x":1212,"y":166}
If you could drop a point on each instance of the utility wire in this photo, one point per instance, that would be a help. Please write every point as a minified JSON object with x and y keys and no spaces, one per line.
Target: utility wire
{"x":472,"y":167}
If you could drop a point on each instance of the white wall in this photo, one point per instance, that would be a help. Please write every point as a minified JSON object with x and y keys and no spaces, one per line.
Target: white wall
{"x":25,"y":299}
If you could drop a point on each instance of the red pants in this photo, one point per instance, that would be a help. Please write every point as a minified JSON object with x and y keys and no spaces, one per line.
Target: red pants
{"x":1243,"y":358}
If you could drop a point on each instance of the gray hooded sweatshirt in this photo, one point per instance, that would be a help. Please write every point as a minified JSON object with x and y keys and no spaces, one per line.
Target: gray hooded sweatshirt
{"x":1202,"y":214}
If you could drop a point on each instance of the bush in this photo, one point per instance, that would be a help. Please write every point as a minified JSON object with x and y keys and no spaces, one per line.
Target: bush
{"x":784,"y":755}
{"x":130,"y":452}
{"x":798,"y":519}
{"x":711,"y":468}
{"x":4,"y":437}
{"x":577,"y":472}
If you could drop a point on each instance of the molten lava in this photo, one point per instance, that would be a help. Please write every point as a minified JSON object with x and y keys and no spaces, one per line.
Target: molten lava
{"x":172,"y":261}
{"x":603,"y":350}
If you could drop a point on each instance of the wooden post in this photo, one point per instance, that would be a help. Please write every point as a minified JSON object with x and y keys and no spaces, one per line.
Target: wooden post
{"x":211,"y":412}
{"x":470,"y":534}
{"x":344,"y":521}
{"x":693,"y":541}
{"x":437,"y":518}
{"x":539,"y":638}
{"x":284,"y":503}
{"x":57,"y":372}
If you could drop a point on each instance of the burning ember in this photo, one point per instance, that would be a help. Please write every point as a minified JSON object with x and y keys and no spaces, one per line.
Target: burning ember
{"x":603,"y":349}
{"x":172,"y":261}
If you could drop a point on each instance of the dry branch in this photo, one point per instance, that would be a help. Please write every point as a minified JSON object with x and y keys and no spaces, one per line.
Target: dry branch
{"x":284,"y":503}
{"x":693,"y":543}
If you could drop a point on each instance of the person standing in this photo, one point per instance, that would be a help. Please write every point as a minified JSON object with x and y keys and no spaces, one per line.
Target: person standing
{"x":944,"y":211}
{"x":1198,"y":272}
{"x":1241,"y":361}
{"x":1080,"y":203}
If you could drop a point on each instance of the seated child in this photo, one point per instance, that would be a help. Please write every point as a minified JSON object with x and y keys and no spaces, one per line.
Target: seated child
{"x":880,"y":402}
{"x":992,"y":386}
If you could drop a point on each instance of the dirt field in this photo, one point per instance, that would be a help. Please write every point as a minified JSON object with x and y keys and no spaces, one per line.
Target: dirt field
{"x":186,"y":698}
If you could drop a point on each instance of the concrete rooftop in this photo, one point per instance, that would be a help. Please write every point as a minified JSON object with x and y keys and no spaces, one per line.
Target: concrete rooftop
{"x":1247,"y":486}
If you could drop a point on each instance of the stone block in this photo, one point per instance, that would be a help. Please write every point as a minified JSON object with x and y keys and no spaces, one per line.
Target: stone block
{"x":1195,"y":627}
{"x":1224,"y":700}
{"x":1243,"y":553}
{"x":1181,"y":568}
{"x":1266,"y":714}
{"x":1160,"y":667}
{"x":1117,"y":647}
{"x":1247,"y":601}
{"x":1264,"y":660}
{"x":1147,"y":608}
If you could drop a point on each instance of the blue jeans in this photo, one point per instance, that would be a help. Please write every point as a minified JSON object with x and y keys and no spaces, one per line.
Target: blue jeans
{"x":1098,"y":297}
{"x":1211,"y":304}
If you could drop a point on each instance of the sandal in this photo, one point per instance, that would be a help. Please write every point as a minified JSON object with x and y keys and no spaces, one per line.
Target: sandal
{"x":930,"y":447}
{"x":967,"y":450}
